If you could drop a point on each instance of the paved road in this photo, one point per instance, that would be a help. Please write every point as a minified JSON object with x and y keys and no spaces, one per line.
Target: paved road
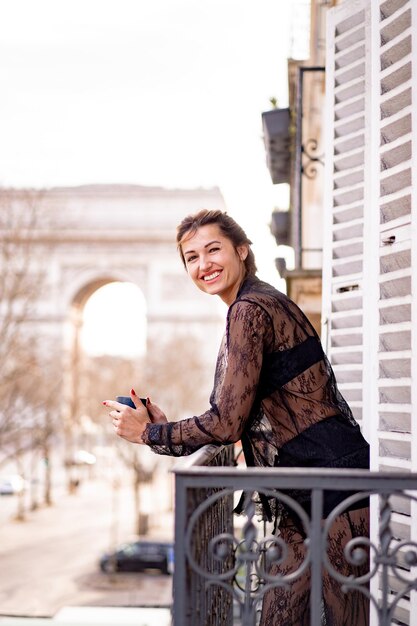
{"x":50,"y":561}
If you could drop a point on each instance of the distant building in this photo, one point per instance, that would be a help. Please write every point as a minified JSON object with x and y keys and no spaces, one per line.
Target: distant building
{"x":294,"y":150}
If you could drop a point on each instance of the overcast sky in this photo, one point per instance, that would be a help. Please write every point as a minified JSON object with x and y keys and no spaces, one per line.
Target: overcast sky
{"x":150,"y":92}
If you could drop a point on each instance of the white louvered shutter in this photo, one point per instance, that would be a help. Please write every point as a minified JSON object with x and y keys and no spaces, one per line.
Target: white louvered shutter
{"x":346,"y":76}
{"x":370,"y":261}
{"x":393,"y":94}
{"x":395,"y":194}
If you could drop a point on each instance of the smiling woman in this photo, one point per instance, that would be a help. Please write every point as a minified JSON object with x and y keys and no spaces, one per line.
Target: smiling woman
{"x":114,"y":321}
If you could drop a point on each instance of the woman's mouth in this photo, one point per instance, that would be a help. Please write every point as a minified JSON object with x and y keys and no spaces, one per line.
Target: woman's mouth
{"x":211,"y":277}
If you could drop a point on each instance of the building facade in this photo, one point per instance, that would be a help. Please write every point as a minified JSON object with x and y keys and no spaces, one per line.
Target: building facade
{"x":297,"y":158}
{"x":362,"y":112}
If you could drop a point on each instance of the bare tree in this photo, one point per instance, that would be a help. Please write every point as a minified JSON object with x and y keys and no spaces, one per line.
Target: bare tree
{"x":26,"y":400}
{"x":18,"y":293}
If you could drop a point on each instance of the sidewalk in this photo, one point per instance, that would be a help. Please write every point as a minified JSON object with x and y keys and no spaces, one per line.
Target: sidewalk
{"x":91,"y":616}
{"x":51,"y":560}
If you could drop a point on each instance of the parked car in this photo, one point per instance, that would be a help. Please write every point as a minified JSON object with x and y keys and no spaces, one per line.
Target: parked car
{"x":14,"y":483}
{"x":139,"y":556}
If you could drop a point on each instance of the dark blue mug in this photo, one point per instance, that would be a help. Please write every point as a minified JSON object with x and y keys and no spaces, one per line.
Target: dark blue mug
{"x":128,"y":401}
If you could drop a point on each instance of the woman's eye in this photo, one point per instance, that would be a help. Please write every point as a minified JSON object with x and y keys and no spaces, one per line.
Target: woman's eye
{"x":214,"y":249}
{"x":190,"y":259}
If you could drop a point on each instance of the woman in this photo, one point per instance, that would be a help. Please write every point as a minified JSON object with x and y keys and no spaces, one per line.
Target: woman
{"x":275,"y":390}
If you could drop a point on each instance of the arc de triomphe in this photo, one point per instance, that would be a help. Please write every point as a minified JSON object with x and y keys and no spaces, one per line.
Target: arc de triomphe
{"x":98,"y":234}
{"x":105,"y":233}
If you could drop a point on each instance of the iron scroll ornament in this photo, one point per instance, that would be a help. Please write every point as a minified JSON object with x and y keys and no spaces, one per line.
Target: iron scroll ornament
{"x":309,"y":149}
{"x":386,"y":559}
{"x":250,"y":555}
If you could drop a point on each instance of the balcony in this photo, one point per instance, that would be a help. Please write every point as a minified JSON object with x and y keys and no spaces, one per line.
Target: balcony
{"x":277,"y":139}
{"x":221,"y":559}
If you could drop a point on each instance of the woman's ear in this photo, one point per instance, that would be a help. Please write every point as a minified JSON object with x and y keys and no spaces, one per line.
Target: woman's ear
{"x":243,"y":252}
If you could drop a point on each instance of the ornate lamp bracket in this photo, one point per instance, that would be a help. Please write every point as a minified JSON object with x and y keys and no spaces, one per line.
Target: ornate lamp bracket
{"x":308,"y":166}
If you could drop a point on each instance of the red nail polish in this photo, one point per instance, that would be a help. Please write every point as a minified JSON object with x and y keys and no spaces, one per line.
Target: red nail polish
{"x":104,"y":402}
{"x":148,"y":400}
{"x":133,"y":392}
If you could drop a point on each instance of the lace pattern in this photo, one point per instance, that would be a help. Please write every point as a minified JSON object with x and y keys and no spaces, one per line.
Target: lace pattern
{"x":272,"y":384}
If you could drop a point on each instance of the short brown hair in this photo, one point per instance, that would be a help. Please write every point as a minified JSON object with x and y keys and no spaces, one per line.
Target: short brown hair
{"x":228,"y":227}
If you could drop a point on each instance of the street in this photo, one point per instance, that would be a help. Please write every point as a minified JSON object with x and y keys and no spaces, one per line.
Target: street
{"x":51,"y":560}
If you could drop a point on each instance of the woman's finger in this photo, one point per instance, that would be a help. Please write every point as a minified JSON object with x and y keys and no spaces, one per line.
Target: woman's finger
{"x":113,"y":404}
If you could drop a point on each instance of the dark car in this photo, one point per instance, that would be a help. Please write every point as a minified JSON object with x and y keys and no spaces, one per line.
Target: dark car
{"x":139,"y":556}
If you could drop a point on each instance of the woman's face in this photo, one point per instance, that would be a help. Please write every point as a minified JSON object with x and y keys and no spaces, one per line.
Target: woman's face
{"x":213,"y":263}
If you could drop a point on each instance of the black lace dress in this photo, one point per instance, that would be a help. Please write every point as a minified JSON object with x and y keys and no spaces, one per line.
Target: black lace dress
{"x":275,"y":390}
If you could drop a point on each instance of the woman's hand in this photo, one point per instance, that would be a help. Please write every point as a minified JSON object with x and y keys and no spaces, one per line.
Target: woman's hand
{"x":129,"y":423}
{"x":157,"y":416}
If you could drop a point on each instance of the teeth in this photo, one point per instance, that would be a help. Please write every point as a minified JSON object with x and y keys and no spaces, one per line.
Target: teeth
{"x":211,"y":276}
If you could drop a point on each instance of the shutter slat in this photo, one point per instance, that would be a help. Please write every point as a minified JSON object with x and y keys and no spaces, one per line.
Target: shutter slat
{"x":395,"y":24}
{"x":348,"y":56}
{"x":395,"y":76}
{"x":396,"y":100}
{"x":396,"y":49}
{"x":389,"y":7}
{"x":395,"y":207}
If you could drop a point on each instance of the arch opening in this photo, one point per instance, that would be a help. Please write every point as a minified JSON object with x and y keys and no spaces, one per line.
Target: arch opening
{"x":114,"y":321}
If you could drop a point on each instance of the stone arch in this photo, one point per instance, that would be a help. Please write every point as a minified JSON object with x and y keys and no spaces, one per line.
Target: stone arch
{"x":88,"y":281}
{"x":98,"y":233}
{"x":101,"y":233}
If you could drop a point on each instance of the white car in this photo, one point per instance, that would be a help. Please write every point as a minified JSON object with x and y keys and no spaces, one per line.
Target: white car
{"x":82,"y":457}
{"x":12,"y":484}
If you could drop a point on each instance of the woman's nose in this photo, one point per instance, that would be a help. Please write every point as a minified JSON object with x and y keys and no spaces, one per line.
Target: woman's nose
{"x":204,"y":262}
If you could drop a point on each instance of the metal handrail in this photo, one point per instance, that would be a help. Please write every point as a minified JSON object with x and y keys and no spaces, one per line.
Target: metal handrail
{"x":220,"y":574}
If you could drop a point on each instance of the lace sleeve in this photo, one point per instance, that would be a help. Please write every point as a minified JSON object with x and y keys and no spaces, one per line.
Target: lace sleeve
{"x":248,"y":332}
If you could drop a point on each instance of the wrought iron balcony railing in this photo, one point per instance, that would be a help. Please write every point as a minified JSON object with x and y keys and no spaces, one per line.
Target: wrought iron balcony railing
{"x":221,"y":560}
